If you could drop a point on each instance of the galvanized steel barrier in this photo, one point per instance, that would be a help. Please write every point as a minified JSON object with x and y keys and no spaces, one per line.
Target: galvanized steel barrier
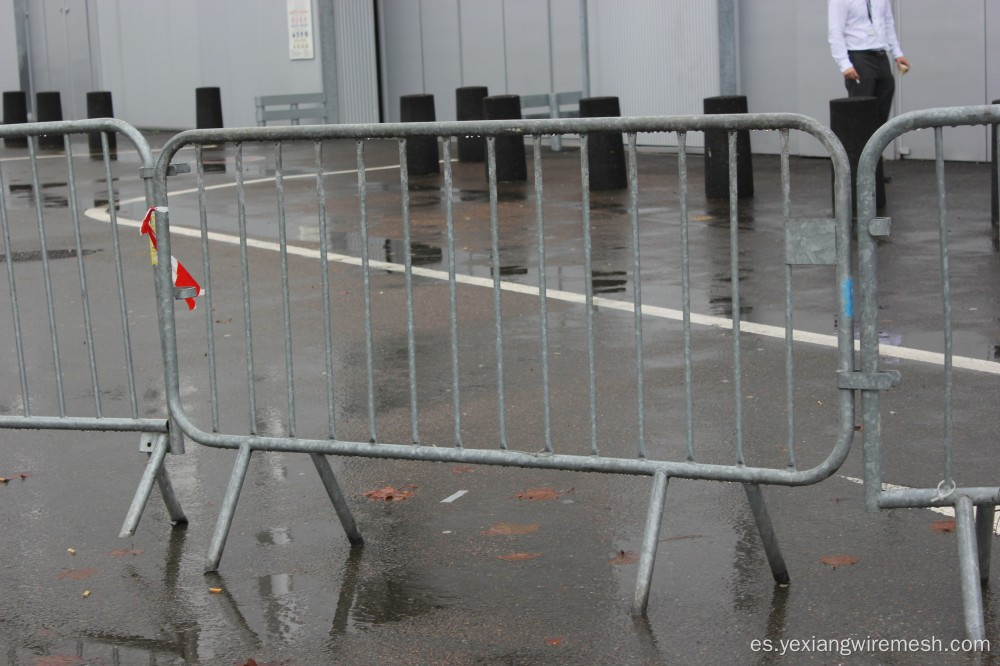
{"x":974,"y":506}
{"x":273,"y":428}
{"x":42,"y":222}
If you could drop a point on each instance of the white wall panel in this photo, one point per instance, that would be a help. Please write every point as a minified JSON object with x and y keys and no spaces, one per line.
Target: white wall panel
{"x":357,"y":76}
{"x":9,"y":76}
{"x":402,"y":70}
{"x":527,"y":47}
{"x":483,"y":47}
{"x":442,"y":54}
{"x":660,"y":57}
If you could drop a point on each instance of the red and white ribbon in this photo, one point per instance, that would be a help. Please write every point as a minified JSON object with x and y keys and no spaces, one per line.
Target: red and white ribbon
{"x":182,"y":279}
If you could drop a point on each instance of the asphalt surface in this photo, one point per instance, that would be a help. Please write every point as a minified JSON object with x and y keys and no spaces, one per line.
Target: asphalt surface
{"x":487,"y":577}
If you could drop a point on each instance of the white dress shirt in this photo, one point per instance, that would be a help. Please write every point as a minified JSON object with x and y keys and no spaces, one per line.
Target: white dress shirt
{"x":849,"y":29}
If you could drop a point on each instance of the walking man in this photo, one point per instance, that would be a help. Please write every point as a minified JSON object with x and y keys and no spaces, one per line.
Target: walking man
{"x":862,"y":36}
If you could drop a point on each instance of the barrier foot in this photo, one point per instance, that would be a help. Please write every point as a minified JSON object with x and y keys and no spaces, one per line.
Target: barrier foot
{"x":154,"y":468}
{"x":338,"y":499}
{"x":984,"y":539}
{"x":968,"y":567}
{"x":766,"y":530}
{"x":228,"y":509}
{"x":651,"y":538}
{"x":174,"y":509}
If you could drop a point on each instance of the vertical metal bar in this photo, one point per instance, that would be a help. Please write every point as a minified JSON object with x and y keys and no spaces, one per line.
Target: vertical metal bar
{"x":228,"y":510}
{"x":207,"y":272}
{"x":766,"y":531}
{"x":153,"y":465}
{"x":650,"y":540}
{"x":949,"y":375}
{"x":633,"y":184}
{"x":279,"y":186}
{"x":37,"y":189}
{"x":734,"y":268}
{"x":119,"y":276}
{"x":324,"y":266}
{"x":984,"y":538}
{"x":74,"y":208}
{"x":543,"y":308}
{"x":491,"y":158}
{"x":682,"y":176}
{"x":452,"y":289}
{"x":588,"y":283}
{"x":789,"y":309}
{"x":15,"y":311}
{"x":404,"y":186}
{"x":366,"y":281}
{"x":968,"y":567}
{"x":336,"y":495}
{"x":245,"y":267}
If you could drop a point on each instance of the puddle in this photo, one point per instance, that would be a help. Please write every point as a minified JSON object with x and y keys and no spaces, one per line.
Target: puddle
{"x":26,"y":193}
{"x":36,"y":255}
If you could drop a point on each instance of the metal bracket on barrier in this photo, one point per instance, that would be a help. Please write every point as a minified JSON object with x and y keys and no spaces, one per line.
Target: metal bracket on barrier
{"x":811,"y":242}
{"x":172,"y":170}
{"x":875,"y":381}
{"x":880,"y":227}
{"x":147,"y":440}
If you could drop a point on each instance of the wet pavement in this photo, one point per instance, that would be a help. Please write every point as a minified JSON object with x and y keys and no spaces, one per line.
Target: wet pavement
{"x":486,"y":577}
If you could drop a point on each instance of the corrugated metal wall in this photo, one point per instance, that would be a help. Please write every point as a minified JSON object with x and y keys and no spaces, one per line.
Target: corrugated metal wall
{"x":357,"y":76}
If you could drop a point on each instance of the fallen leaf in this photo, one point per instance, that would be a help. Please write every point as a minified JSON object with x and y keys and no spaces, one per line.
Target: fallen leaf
{"x":838,"y":560}
{"x":124,"y":552}
{"x":388,"y":494}
{"x":554,"y":641}
{"x":250,"y":662}
{"x":215,"y":590}
{"x":86,"y":593}
{"x":76,"y":574}
{"x":943,"y":525}
{"x":508,"y":529}
{"x":4,"y":479}
{"x":520,"y":557}
{"x":538,"y":494}
{"x":71,"y":551}
{"x":702,"y":218}
{"x":625,"y":557}
{"x":682,"y":537}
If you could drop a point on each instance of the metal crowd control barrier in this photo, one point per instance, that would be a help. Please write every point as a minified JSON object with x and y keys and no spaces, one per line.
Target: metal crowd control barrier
{"x":974,"y":526}
{"x":40,"y":213}
{"x":816,"y":241}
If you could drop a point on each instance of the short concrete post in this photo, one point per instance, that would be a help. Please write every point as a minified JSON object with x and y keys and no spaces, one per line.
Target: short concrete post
{"x":717,"y":151}
{"x":854,"y":120}
{"x":208,"y":108}
{"x":469,"y":106}
{"x":605,"y":152}
{"x":48,"y":109}
{"x":15,"y":112}
{"x":510,"y":157}
{"x":421,"y":151}
{"x":99,"y":106}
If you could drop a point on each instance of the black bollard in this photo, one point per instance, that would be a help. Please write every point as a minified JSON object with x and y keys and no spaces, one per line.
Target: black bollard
{"x":421,"y":151}
{"x":510,"y":158}
{"x":48,"y":108}
{"x":208,"y":108}
{"x":15,"y":112}
{"x":99,"y":106}
{"x":854,"y":120}
{"x":995,"y":187}
{"x":605,"y":153}
{"x":717,"y":151}
{"x":469,"y":106}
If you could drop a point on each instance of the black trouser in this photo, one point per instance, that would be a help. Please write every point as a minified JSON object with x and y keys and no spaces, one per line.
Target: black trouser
{"x":876,"y":80}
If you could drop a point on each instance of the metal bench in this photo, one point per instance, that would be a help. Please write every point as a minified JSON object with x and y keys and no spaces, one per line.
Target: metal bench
{"x":305,"y":106}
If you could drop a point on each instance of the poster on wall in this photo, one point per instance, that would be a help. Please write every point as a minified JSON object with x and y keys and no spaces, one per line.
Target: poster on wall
{"x":300,"y":29}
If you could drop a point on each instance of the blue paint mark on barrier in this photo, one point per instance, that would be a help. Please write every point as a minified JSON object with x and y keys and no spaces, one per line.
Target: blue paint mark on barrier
{"x":847,"y":296}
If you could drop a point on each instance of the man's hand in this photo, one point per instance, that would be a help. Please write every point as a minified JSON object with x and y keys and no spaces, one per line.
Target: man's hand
{"x":903,"y":65}
{"x":851,"y":74}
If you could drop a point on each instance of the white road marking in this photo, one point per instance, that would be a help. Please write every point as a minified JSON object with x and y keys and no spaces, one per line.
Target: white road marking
{"x":100,"y":213}
{"x":452,"y":498}
{"x":943,"y":510}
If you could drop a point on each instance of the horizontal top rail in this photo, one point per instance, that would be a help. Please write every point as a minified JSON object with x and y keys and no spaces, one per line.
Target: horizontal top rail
{"x":81,"y":127}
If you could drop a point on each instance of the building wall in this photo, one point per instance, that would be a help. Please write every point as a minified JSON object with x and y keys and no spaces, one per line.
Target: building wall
{"x":9,"y":78}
